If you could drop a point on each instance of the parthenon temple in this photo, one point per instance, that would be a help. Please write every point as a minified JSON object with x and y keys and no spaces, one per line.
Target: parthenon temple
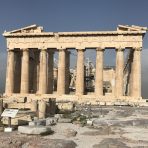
{"x":31,"y":70}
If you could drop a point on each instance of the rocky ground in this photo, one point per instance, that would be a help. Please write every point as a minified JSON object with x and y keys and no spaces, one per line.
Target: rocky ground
{"x":89,"y":127}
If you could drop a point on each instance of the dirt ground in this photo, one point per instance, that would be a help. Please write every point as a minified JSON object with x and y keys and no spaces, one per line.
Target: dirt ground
{"x":112,"y":127}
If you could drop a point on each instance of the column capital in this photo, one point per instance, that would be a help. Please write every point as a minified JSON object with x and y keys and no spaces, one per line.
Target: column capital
{"x":44,"y":49}
{"x":137,"y":48}
{"x":100,"y":48}
{"x":81,"y":49}
{"x":61,"y":49}
{"x":10,"y":50}
{"x":120,"y":48}
{"x":25,"y":49}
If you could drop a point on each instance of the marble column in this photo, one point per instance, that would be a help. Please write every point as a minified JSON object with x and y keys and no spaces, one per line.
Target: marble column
{"x":119,"y":72}
{"x":43,"y":72}
{"x":135,"y":86}
{"x":9,"y":88}
{"x":80,"y":72}
{"x":61,"y":72}
{"x":50,"y":71}
{"x":99,"y":72}
{"x":67,"y":71}
{"x":25,"y":71}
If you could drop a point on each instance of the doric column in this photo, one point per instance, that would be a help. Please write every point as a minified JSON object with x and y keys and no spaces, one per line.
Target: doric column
{"x":119,"y":72}
{"x":43,"y":72}
{"x":80,"y":72}
{"x":99,"y":72}
{"x":135,"y":86}
{"x":61,"y":72}
{"x":25,"y":71}
{"x":67,"y":72}
{"x":10,"y":73}
{"x":50,"y":71}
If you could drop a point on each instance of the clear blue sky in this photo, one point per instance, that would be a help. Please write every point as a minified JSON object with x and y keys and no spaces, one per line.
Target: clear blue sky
{"x":72,"y":15}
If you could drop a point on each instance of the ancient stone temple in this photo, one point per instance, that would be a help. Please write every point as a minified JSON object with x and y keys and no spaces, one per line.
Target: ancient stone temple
{"x":30,"y":62}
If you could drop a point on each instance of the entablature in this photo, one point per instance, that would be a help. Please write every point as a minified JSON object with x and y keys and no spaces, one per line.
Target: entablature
{"x":34,"y":37}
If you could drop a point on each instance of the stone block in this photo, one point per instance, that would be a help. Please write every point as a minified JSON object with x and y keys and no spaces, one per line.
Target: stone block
{"x":89,"y":122}
{"x":19,"y":105}
{"x":34,"y":130}
{"x":121,"y":103}
{"x":51,"y":121}
{"x":66,"y":106}
{"x":21,"y":99}
{"x":38,"y":122}
{"x":102,"y":103}
{"x":117,"y":103}
{"x":58,"y":116}
{"x":109,"y":103}
{"x":64,"y":120}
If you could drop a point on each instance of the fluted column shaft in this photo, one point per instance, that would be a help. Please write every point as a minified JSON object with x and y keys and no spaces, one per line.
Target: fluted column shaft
{"x":99,"y":72}
{"x":9,"y":88}
{"x":119,"y":72}
{"x":135,"y":86}
{"x":61,"y":72}
{"x":43,"y":72}
{"x":25,"y":72}
{"x":80,"y":72}
{"x":50,"y":72}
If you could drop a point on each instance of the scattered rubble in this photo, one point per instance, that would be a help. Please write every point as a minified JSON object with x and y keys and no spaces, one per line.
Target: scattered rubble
{"x":106,"y":126}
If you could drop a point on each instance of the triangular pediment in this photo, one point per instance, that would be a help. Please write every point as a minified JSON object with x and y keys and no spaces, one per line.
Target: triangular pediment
{"x":29,"y":29}
{"x":131,"y":28}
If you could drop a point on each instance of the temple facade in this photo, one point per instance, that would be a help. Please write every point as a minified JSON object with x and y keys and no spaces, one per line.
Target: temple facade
{"x":30,"y":62}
